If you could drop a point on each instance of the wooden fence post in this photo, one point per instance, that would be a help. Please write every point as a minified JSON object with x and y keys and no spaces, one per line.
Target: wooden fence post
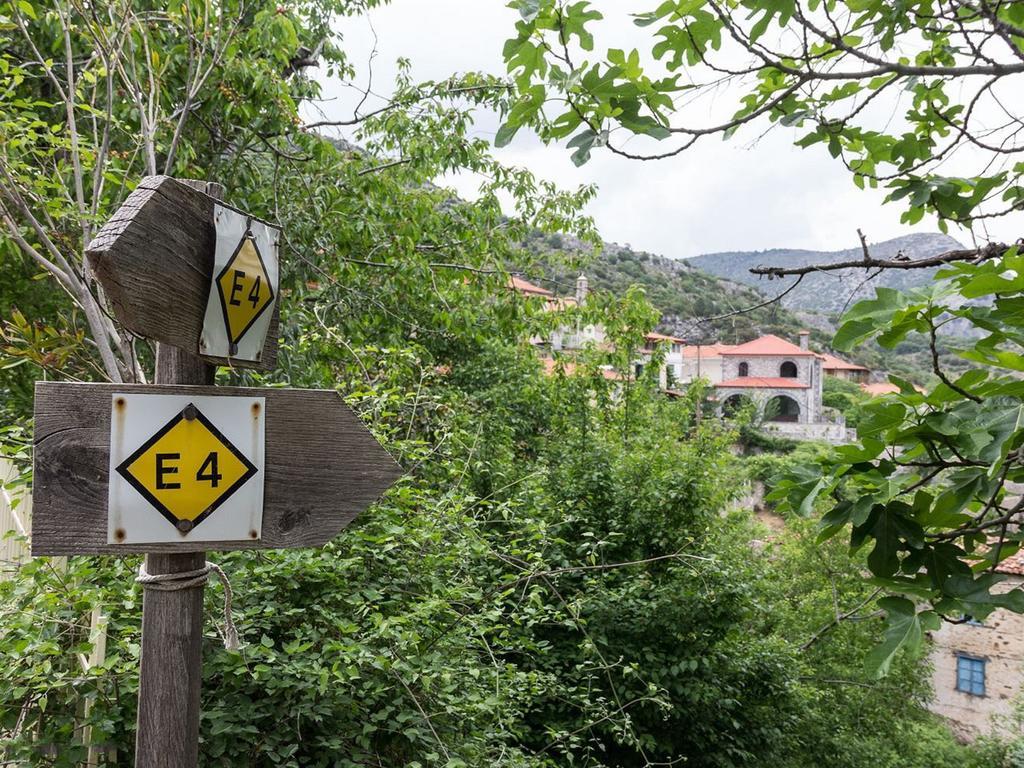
{"x":170,"y":668}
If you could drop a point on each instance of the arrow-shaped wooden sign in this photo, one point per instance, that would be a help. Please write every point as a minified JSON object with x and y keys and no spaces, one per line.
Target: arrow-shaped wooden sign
{"x":117,"y":473}
{"x":155,"y":259}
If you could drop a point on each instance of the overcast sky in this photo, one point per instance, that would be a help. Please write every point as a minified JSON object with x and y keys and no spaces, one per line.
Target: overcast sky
{"x":718,"y":196}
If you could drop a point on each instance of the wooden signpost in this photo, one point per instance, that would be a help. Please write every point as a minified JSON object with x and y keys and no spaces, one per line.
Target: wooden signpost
{"x":321,"y":469}
{"x":156,"y":261}
{"x":180,"y":467}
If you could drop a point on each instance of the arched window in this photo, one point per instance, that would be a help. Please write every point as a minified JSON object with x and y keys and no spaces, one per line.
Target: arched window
{"x":788,"y":370}
{"x":736,"y":404}
{"x":782,"y":408}
{"x":744,"y":370}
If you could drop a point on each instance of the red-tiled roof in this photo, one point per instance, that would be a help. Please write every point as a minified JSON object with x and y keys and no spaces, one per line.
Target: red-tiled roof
{"x":527,"y":288}
{"x":1013,"y":565}
{"x":887,"y":388}
{"x":569,"y":367}
{"x":833,"y":363}
{"x":652,"y":336}
{"x":706,"y":351}
{"x":769,"y":345}
{"x":761,"y":382}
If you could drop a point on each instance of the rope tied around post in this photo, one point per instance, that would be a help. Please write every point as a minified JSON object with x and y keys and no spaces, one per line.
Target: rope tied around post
{"x":170,"y":582}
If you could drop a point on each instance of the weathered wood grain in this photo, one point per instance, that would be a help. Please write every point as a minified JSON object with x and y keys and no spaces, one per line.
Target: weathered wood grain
{"x":323,"y":467}
{"x":170,"y":669}
{"x":170,"y":664}
{"x":154,"y":259}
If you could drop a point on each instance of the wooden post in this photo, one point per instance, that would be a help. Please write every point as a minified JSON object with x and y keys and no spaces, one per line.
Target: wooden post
{"x":310,"y":465}
{"x":170,"y":668}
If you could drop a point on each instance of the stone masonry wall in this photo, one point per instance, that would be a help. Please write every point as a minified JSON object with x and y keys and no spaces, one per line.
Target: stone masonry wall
{"x":808,"y":371}
{"x":1000,"y":642}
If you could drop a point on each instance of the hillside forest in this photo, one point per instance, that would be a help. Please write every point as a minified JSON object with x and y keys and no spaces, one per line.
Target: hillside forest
{"x":574,"y":570}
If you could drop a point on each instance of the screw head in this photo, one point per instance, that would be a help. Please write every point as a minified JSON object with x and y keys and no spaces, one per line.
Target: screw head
{"x":185,"y":526}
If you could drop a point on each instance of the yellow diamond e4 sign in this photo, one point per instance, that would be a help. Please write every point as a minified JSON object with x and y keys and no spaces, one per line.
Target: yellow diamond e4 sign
{"x":244,"y":287}
{"x":185,"y":468}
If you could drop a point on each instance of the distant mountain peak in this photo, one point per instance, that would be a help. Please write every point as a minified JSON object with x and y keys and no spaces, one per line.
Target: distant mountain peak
{"x":829,"y":292}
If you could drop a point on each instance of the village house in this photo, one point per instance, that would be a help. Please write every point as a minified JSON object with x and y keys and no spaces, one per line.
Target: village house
{"x":703,"y":361}
{"x":568,"y":338}
{"x":841,"y":369}
{"x":978,"y":666}
{"x":783,"y":381}
{"x":670,"y":375}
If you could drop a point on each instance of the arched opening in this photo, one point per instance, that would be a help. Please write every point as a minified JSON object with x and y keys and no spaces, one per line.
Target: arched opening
{"x":782,"y":408}
{"x":788,"y":370}
{"x":734,"y":404}
{"x":744,"y":370}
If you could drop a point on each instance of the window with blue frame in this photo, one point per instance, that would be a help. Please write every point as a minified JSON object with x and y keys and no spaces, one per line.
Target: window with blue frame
{"x":970,"y":675}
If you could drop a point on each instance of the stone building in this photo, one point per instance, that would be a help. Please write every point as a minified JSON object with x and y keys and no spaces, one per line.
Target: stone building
{"x":703,"y":361}
{"x":782,"y":380}
{"x":841,"y":369}
{"x":671,"y":373}
{"x":569,"y":337}
{"x":978,"y":667}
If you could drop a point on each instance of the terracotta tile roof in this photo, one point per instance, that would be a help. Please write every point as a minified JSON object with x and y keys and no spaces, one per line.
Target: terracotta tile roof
{"x":527,"y":288}
{"x":652,"y":336}
{"x":551,"y":366}
{"x":770,"y":345}
{"x":761,"y":382}
{"x":833,"y":363}
{"x":880,"y":388}
{"x":706,"y":351}
{"x":1013,"y":565}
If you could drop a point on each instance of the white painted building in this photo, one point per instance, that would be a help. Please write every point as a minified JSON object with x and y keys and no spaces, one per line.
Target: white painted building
{"x":703,"y":361}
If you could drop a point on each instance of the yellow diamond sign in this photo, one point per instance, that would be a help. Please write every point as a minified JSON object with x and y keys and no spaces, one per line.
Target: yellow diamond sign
{"x":244,"y":287}
{"x":187,"y":469}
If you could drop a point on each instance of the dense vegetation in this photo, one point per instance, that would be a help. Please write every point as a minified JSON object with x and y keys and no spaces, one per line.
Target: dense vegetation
{"x":554,"y":582}
{"x":931,"y":485}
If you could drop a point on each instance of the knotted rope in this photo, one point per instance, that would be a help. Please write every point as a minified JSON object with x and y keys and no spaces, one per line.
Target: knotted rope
{"x":171,"y":582}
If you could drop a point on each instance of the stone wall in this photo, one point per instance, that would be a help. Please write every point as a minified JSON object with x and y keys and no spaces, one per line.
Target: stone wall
{"x":763,"y":395}
{"x":808,"y":371}
{"x":768,"y":366}
{"x":837,"y":434}
{"x":1000,"y":642}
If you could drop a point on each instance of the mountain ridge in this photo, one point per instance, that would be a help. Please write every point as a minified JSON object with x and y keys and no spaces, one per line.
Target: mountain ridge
{"x":828,"y":292}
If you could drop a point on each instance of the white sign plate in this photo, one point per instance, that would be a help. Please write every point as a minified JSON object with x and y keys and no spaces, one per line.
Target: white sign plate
{"x":244,"y":288}
{"x":185,"y":468}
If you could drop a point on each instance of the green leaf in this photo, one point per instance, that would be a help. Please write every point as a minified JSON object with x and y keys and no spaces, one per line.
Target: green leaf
{"x":903,"y":630}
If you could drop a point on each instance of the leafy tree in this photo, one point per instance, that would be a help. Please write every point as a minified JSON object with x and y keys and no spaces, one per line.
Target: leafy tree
{"x":820,"y":67}
{"x":550,"y":584}
{"x":845,"y":396}
{"x":928,"y":487}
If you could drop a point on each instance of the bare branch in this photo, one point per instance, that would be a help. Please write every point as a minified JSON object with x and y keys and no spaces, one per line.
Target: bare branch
{"x":984,"y":253}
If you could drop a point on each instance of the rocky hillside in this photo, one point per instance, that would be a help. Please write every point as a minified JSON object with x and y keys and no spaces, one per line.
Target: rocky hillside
{"x":695,"y":305}
{"x":702,"y":307}
{"x":827,"y":292}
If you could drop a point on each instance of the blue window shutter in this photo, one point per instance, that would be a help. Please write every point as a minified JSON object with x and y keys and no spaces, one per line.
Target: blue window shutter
{"x":970,"y":675}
